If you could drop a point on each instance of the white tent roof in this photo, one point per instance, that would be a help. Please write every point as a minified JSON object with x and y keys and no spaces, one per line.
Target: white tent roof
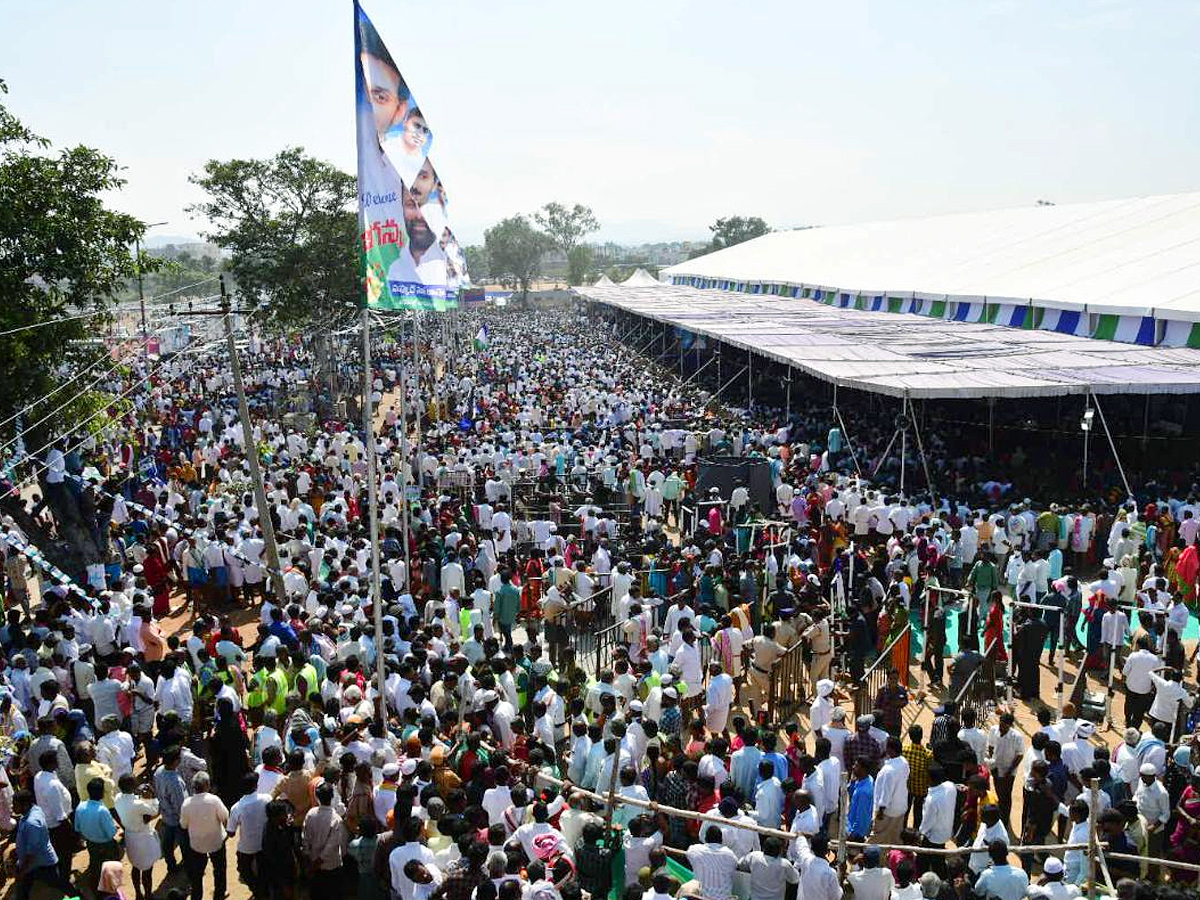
{"x":604,"y":281}
{"x":922,"y":357}
{"x":1118,"y":256}
{"x":641,"y":278}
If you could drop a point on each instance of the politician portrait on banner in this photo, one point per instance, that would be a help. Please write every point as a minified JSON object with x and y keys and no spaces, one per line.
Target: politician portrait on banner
{"x":410,"y":258}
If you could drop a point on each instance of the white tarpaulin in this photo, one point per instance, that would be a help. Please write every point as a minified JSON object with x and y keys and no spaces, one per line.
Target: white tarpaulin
{"x":641,"y":278}
{"x":914,"y":355}
{"x":1139,"y":256}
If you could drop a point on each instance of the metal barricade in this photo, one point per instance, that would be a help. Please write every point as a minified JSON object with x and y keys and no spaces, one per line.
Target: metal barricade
{"x":788,"y":684}
{"x":979,"y":692}
{"x":876,"y":676}
{"x":592,"y":632}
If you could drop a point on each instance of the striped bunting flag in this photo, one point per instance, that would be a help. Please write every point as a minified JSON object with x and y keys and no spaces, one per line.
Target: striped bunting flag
{"x":1125,"y":329}
{"x":1064,"y":321}
{"x":1182,"y":334}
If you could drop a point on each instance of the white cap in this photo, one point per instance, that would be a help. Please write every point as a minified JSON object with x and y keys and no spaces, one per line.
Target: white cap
{"x":1052,"y":866}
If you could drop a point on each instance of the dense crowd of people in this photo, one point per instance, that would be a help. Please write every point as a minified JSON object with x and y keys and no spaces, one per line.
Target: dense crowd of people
{"x":185,"y":697}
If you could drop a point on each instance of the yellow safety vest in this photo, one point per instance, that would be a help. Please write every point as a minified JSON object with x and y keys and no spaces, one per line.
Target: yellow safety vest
{"x":257,"y":694}
{"x":279,"y":704}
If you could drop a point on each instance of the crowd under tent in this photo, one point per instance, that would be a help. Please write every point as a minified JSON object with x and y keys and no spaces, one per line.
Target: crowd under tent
{"x":907,"y":357}
{"x":913,"y":356}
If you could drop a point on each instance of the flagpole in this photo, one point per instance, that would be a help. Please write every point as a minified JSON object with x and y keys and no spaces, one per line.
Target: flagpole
{"x":417,"y":452}
{"x":373,"y":509}
{"x":404,"y":464}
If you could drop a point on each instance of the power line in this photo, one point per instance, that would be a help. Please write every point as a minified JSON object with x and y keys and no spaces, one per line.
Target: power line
{"x":120,"y":396}
{"x":65,"y":384}
{"x":101,"y":312}
{"x":86,"y":315}
{"x":43,"y":467}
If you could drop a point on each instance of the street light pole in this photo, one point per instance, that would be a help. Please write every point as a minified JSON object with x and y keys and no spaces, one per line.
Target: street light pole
{"x":137,"y":249}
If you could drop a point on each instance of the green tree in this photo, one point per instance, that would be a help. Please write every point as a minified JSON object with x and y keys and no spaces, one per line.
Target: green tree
{"x":736,"y":229}
{"x":478,"y":263}
{"x":581,"y":264}
{"x":291,"y":228}
{"x":63,"y":255}
{"x":565,"y":229}
{"x":515,"y":249}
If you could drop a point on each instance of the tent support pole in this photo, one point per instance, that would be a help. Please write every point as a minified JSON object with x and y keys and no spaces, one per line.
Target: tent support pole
{"x":1087,"y":405}
{"x":701,"y":369}
{"x":886,"y":451}
{"x":1112,"y":446}
{"x":787,"y":412}
{"x":1146,"y":424}
{"x":903,"y":442}
{"x":841,"y":423}
{"x":921,"y":450}
{"x":991,"y":424}
{"x":721,"y":389}
{"x":749,"y":379}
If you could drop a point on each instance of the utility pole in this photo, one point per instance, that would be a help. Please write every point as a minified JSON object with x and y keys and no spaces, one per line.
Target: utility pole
{"x":373,"y":508}
{"x":137,"y":252}
{"x":260,"y":493}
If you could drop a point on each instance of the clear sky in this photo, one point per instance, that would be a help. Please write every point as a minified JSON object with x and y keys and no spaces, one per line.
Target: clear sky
{"x":660,"y":114}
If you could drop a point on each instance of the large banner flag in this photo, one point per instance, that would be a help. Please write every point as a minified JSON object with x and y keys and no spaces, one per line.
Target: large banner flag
{"x":409,"y":257}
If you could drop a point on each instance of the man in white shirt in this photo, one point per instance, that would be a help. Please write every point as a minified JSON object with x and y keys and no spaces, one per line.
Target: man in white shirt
{"x":713,"y":864}
{"x":937,"y":811}
{"x":1139,"y":688}
{"x":990,"y":829}
{"x":1154,"y":806}
{"x":870,"y":880}
{"x":719,"y":698}
{"x":1169,"y":694}
{"x":248,"y":820}
{"x":818,"y":880}
{"x":891,"y":795}
{"x":770,"y":872}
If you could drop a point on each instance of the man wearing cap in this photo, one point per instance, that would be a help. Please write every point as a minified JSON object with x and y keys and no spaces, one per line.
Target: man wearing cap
{"x":869,"y":880}
{"x":764,"y":650}
{"x":1051,"y":886}
{"x":1154,"y":806}
{"x":820,"y":641}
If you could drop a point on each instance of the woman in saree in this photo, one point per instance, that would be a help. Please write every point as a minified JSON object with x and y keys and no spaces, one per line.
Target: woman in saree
{"x":1094,"y":615}
{"x":1187,"y":568}
{"x":902,"y":648}
{"x":993,"y":630}
{"x":158,"y":578}
{"x":1185,"y":839}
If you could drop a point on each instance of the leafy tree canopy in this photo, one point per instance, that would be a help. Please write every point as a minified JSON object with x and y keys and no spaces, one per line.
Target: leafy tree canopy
{"x":63,"y":254}
{"x":736,"y":229}
{"x":515,"y":249}
{"x":291,"y":227}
